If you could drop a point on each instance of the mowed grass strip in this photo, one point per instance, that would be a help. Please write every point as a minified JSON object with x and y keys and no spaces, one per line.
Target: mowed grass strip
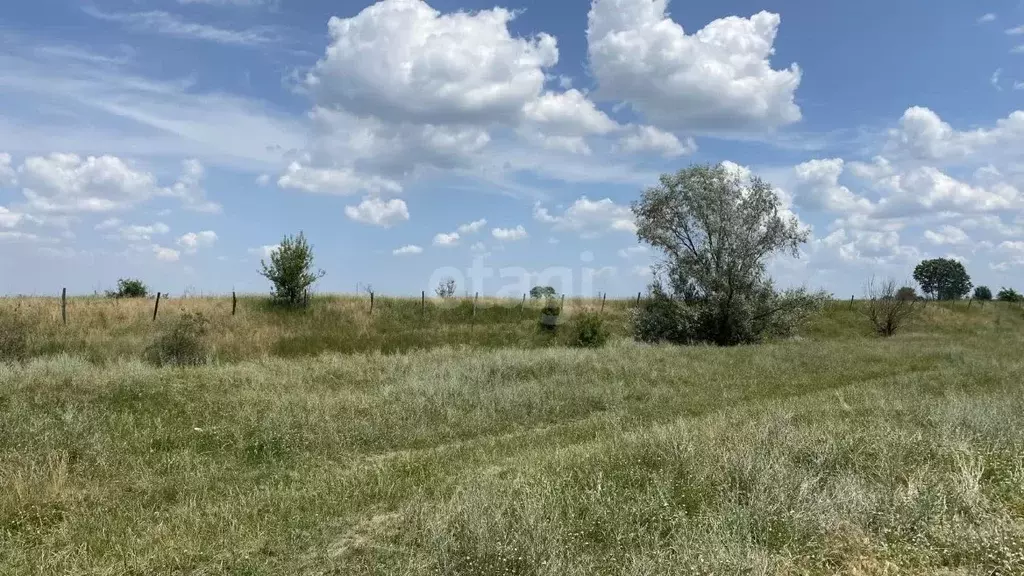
{"x":838,"y":455}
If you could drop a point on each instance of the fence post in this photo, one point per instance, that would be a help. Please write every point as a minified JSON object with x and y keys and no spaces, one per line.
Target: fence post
{"x":638,"y":299}
{"x":561,"y":305}
{"x":64,"y":306}
{"x":423,"y":301}
{"x":371,"y":303}
{"x":603,"y":298}
{"x":475,"y":296}
{"x":156,"y":306}
{"x":234,"y":302}
{"x":851,"y":302}
{"x":969,"y":302}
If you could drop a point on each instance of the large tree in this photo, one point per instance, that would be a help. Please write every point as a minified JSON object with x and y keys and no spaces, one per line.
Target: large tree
{"x":717,"y":232}
{"x":943,"y":278}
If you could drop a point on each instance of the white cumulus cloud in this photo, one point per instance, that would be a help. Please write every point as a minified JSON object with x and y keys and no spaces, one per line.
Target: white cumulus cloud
{"x":191,"y":242}
{"x":407,"y":250}
{"x":509,"y":234}
{"x":373,"y":210}
{"x":716,"y":79}
{"x":589,"y":218}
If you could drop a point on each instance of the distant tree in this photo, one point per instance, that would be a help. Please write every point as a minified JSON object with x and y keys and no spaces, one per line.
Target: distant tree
{"x":445,"y":288}
{"x":982,"y":293}
{"x":906,"y":293}
{"x":538,"y":292}
{"x":1008,"y":295}
{"x":943,"y":278}
{"x":291,"y":270}
{"x":886,"y":310}
{"x":717,"y":232}
{"x":129,"y":288}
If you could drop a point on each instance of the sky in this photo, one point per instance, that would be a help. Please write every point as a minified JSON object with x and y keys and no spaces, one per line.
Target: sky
{"x":178,"y":141}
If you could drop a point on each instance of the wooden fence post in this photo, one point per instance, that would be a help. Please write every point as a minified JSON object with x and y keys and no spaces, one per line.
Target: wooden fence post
{"x":234,"y":302}
{"x":371,"y":303}
{"x":603,"y":298}
{"x":851,"y":302}
{"x":423,"y":301}
{"x":562,"y":305}
{"x":64,"y":306}
{"x":638,"y":299}
{"x":523,"y":303}
{"x":475,"y":297}
{"x":156,"y":306}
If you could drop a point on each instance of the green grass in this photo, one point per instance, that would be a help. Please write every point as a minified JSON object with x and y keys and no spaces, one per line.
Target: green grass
{"x":834,"y":453}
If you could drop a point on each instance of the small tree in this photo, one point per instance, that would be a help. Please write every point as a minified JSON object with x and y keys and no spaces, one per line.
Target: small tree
{"x":906,"y":293}
{"x":943,"y":278}
{"x":291,"y":270}
{"x":538,"y":292}
{"x":717,"y":233}
{"x":129,"y":288}
{"x":1008,"y":295}
{"x":885,"y":309}
{"x":982,"y":293}
{"x":445,"y":288}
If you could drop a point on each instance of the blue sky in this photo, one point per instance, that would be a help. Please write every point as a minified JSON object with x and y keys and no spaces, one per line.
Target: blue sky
{"x":178,"y":140}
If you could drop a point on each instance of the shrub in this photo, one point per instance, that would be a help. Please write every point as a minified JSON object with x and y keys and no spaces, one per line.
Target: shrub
{"x":14,"y":334}
{"x":1008,"y":295}
{"x":906,"y":293}
{"x":129,"y":288}
{"x":886,"y":310}
{"x":291,"y":270}
{"x":551,"y":308}
{"x":982,"y":293}
{"x":538,"y":292}
{"x":588,"y":331}
{"x":183,"y":343}
{"x":445,"y":288}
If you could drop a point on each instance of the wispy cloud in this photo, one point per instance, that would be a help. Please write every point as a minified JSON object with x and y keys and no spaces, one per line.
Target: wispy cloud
{"x":995,"y":79}
{"x":985,"y":18}
{"x":104,"y":108}
{"x":172,"y":25}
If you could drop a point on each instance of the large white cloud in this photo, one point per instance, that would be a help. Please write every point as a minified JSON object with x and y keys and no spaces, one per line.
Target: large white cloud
{"x":819,"y":188}
{"x":69,"y":183}
{"x":717,"y":79}
{"x":333,"y":180}
{"x":651,"y":139}
{"x":377,"y":212}
{"x":191,"y":242}
{"x":403,"y":60}
{"x":922,"y":134}
{"x":589,"y":217}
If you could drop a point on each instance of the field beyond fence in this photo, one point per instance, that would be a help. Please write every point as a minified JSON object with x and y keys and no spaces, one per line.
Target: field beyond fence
{"x":104,"y":329}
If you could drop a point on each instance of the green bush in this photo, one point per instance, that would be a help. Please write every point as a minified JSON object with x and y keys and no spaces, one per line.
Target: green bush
{"x":906,"y":293}
{"x":1009,"y":295}
{"x":588,"y":331}
{"x":183,"y":343}
{"x":982,"y":293}
{"x":290,"y":270}
{"x":14,"y":333}
{"x":129,"y":288}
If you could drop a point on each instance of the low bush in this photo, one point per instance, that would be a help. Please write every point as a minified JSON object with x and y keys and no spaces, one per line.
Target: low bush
{"x":129,"y":288}
{"x":886,"y":310}
{"x":588,"y":331}
{"x":14,"y":334}
{"x":183,"y":343}
{"x":1009,"y":295}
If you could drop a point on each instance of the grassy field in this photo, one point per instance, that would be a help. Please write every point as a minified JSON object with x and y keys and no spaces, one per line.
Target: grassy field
{"x":105,"y":329}
{"x":832,"y":453}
